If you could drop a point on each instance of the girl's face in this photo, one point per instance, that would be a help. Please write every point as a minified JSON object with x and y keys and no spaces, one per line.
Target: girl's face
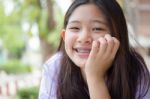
{"x":86,"y":24}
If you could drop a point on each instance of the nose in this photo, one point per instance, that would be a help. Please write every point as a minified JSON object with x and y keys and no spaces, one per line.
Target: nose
{"x":85,"y":37}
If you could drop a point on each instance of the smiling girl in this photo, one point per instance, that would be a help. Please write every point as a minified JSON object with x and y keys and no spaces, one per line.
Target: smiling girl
{"x":94,"y":59}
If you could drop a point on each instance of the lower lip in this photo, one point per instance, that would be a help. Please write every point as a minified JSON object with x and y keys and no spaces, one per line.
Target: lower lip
{"x":83,"y":55}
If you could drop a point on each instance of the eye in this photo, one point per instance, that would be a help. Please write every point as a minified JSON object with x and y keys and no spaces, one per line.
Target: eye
{"x":97,"y":29}
{"x":74,"y":29}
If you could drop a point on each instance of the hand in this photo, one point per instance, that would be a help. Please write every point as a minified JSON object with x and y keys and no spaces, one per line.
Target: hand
{"x":101,"y":56}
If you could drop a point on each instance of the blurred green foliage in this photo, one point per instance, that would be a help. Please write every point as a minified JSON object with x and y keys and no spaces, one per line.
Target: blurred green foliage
{"x":11,"y":33}
{"x":28,"y":93}
{"x":54,"y":35}
{"x":33,"y":12}
{"x":15,"y":67}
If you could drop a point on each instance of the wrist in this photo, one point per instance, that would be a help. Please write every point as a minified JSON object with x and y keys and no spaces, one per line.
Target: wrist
{"x":95,"y":76}
{"x":95,"y":79}
{"x":98,"y":87}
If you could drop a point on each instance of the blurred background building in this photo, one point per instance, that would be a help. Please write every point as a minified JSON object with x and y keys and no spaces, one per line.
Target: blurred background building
{"x":138,"y":18}
{"x":138,"y":13}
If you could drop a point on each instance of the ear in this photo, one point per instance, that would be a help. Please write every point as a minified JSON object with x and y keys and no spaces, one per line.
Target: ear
{"x":63,"y":34}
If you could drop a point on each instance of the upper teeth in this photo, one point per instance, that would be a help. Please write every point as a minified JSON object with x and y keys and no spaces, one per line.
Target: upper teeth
{"x":83,"y":50}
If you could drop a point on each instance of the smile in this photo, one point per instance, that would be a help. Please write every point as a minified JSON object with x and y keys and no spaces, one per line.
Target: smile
{"x":82,"y":52}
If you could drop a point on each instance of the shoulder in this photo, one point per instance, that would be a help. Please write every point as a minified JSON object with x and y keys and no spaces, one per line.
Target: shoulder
{"x":52,"y":65}
{"x":143,"y":92}
{"x":50,"y":72}
{"x":142,"y":75}
{"x":54,"y":60}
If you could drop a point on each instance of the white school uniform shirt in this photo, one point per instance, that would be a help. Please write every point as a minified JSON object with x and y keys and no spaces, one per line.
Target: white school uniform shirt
{"x":50,"y":72}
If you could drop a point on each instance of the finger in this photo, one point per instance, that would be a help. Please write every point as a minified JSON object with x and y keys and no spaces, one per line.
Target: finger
{"x":110,"y":46}
{"x":116,"y":47}
{"x":94,"y":50}
{"x":103,"y":46}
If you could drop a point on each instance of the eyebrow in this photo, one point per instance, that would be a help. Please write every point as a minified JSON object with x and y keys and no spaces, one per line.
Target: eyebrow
{"x":93,"y":21}
{"x":73,"y":22}
{"x":99,"y":21}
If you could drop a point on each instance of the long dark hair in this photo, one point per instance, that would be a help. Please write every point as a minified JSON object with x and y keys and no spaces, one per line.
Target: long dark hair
{"x":128,"y":74}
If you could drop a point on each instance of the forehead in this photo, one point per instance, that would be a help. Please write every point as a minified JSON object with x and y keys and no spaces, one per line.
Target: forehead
{"x":87,"y":12}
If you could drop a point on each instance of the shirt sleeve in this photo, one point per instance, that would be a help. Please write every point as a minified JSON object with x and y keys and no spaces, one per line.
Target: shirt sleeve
{"x":146,"y":96}
{"x":48,"y":85}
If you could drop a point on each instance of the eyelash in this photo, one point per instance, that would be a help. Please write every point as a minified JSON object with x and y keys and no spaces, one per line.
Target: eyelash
{"x":97,"y":29}
{"x":74,"y":28}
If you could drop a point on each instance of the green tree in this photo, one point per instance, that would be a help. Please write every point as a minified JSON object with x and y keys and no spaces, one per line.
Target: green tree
{"x":43,"y":13}
{"x":10,"y":32}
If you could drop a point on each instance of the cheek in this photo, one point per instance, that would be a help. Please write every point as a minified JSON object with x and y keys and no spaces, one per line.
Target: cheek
{"x":69,"y":41}
{"x":70,"y":37}
{"x":98,"y":35}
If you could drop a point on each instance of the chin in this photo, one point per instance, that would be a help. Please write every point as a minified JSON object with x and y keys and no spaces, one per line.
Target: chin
{"x":80,"y":64}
